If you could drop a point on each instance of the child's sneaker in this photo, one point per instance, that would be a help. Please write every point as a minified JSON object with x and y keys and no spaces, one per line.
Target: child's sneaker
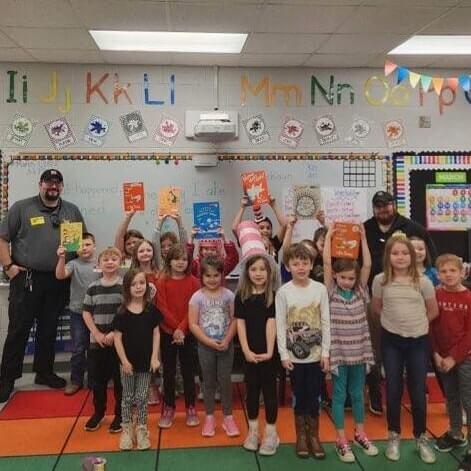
{"x":115,"y":426}
{"x":230,"y":427}
{"x":93,"y":423}
{"x":392,"y":449}
{"x":344,"y":451}
{"x":142,"y":437}
{"x":426,"y":453}
{"x":192,"y":417}
{"x":154,"y":398}
{"x":269,"y":444}
{"x":251,"y":441}
{"x":166,"y":419}
{"x":209,"y":426}
{"x":465,"y":464}
{"x":125,"y":441}
{"x":447,"y":442}
{"x":367,"y":447}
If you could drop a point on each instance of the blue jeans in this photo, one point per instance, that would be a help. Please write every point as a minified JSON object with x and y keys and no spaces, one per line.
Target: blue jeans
{"x":412,"y":354}
{"x":80,"y":336}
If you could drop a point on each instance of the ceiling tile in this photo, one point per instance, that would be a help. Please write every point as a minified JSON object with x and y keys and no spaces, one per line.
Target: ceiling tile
{"x":360,"y":43}
{"x":451,"y":61}
{"x":126,"y":57}
{"x":122,"y":14}
{"x":273,"y":60}
{"x":258,"y":43}
{"x":457,"y":21}
{"x":14,"y":54}
{"x":221,"y":18}
{"x":5,"y":41}
{"x":45,"y":13}
{"x":66,"y":56}
{"x":404,"y":20}
{"x":338,"y":60}
{"x":412,"y":3}
{"x":52,"y":38}
{"x":302,"y":19}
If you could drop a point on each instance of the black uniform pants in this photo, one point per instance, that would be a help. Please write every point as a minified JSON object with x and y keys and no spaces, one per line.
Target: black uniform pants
{"x":42,"y":297}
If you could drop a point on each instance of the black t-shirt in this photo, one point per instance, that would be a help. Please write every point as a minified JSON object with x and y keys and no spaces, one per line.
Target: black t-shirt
{"x":255,"y":313}
{"x":137,"y":330}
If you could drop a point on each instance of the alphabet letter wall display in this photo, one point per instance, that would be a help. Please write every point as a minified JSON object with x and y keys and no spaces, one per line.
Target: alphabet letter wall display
{"x":270,"y":91}
{"x":95,"y":88}
{"x":119,"y":90}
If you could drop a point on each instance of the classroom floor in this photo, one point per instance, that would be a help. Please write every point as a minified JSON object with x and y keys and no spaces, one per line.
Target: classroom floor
{"x":44,"y":431}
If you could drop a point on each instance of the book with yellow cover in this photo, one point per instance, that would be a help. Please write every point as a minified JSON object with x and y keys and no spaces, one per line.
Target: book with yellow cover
{"x":71,"y":236}
{"x":346,"y":240}
{"x":169,"y":201}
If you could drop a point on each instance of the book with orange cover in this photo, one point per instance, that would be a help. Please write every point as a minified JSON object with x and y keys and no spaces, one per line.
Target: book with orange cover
{"x":255,"y":186}
{"x":133,"y":194}
{"x":169,"y":201}
{"x":346,"y":240}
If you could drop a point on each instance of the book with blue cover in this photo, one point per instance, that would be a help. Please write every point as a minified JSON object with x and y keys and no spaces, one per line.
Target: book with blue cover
{"x":207,"y":218}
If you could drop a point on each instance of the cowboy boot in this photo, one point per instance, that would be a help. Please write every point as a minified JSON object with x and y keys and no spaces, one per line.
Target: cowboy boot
{"x":312,"y":426}
{"x":302,"y":449}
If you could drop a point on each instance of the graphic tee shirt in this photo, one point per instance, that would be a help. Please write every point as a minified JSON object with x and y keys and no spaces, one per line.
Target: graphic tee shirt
{"x":137,"y":330}
{"x":214,"y":313}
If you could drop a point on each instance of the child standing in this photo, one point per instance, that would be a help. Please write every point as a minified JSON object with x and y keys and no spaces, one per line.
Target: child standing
{"x":303,"y":337}
{"x":137,"y":341}
{"x":164,"y":241}
{"x":126,"y":239}
{"x":255,"y":312}
{"x":82,"y":273}
{"x":100,"y":305}
{"x":423,"y":260}
{"x":211,"y":320}
{"x":175,"y":288}
{"x":406,"y":302}
{"x":350,"y":343}
{"x":451,"y":342}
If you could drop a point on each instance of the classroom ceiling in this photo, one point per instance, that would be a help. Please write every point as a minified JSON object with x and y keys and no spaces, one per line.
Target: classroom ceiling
{"x":281,"y":33}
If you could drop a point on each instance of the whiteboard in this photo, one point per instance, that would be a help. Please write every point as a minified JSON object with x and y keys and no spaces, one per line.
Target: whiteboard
{"x":95,"y":186}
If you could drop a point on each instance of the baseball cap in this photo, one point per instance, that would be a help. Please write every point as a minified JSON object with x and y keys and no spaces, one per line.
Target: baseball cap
{"x":51,"y":174}
{"x":382,"y":197}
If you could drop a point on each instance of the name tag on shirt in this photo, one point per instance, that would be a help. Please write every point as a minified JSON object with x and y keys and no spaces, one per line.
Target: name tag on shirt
{"x":37,"y":221}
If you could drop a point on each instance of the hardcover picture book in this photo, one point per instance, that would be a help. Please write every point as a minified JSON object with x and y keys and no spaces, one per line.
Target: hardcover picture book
{"x":207,"y":218}
{"x":169,"y":201}
{"x":255,"y":186}
{"x":346,"y":240}
{"x":71,"y":236}
{"x":133,"y":194}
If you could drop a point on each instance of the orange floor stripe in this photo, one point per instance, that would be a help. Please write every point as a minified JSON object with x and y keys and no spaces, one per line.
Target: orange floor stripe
{"x":437,"y":419}
{"x":33,"y":436}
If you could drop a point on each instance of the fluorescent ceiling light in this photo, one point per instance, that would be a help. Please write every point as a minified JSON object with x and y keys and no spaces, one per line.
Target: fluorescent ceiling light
{"x":222,"y":43}
{"x":437,"y":45}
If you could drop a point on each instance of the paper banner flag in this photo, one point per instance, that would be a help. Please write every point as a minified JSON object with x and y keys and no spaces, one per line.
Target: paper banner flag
{"x":437,"y":84}
{"x":389,"y":68}
{"x":465,"y":82}
{"x":414,"y":79}
{"x":402,"y":74}
{"x":452,"y":82}
{"x":425,"y":81}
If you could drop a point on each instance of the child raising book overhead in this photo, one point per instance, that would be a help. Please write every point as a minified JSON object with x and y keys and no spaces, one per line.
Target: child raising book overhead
{"x":303,"y":336}
{"x":350,"y":343}
{"x":137,"y":341}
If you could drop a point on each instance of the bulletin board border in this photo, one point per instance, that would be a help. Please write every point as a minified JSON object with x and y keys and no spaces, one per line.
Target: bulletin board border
{"x":405,"y":162}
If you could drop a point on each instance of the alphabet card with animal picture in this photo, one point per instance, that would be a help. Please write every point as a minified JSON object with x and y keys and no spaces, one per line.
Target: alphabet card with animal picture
{"x":71,"y":236}
{"x":133,"y":194}
{"x":60,"y":133}
{"x":394,"y":133}
{"x":346,"y":240}
{"x":133,"y":126}
{"x":255,"y":186}
{"x":169,"y":201}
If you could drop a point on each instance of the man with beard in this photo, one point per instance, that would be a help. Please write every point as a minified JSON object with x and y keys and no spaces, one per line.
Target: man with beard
{"x":385,"y":222}
{"x":29,"y":237}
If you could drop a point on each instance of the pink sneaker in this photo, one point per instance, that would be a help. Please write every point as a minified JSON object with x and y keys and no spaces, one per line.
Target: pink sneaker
{"x":209,"y":426}
{"x":230,"y":427}
{"x":166,"y":419}
{"x":192,"y":417}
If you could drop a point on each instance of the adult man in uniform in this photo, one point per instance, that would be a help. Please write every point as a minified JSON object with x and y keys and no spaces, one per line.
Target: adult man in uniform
{"x":29,"y":237}
{"x":385,"y":222}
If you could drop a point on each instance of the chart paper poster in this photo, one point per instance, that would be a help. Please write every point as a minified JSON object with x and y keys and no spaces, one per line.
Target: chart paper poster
{"x":448,"y":207}
{"x":345,"y":204}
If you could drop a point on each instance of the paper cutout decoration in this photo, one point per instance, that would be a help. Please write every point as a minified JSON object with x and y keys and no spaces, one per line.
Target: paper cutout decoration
{"x":207,"y":218}
{"x":96,"y":130}
{"x":359,"y":131}
{"x":326,"y":130}
{"x":20,"y":130}
{"x":256,"y":129}
{"x":133,"y":126}
{"x":306,"y":201}
{"x":345,"y":241}
{"x":394,"y":133}
{"x":255,"y":186}
{"x":71,"y":236}
{"x":389,"y":67}
{"x":167,"y":131}
{"x":291,"y":132}
{"x":60,"y":133}
{"x":169,"y":201}
{"x":133,"y":196}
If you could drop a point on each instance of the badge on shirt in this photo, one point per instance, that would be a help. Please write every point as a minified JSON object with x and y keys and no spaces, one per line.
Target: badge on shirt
{"x":37,"y":221}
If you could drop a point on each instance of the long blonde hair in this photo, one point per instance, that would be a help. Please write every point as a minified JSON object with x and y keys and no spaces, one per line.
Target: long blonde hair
{"x":412,"y":271}
{"x":246,"y":287}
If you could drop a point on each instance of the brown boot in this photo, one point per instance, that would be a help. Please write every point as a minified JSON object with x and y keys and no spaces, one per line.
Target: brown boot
{"x":312,"y":425}
{"x":302,"y":449}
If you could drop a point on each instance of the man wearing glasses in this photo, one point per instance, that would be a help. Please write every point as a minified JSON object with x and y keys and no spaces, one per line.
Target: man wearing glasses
{"x":379,"y":228}
{"x":29,"y":237}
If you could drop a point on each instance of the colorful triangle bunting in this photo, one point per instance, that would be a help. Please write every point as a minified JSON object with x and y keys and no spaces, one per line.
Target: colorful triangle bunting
{"x":402,"y":74}
{"x":414,"y":79}
{"x":465,"y":82}
{"x":437,"y":84}
{"x":425,"y":81}
{"x":389,"y":67}
{"x":452,"y":82}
